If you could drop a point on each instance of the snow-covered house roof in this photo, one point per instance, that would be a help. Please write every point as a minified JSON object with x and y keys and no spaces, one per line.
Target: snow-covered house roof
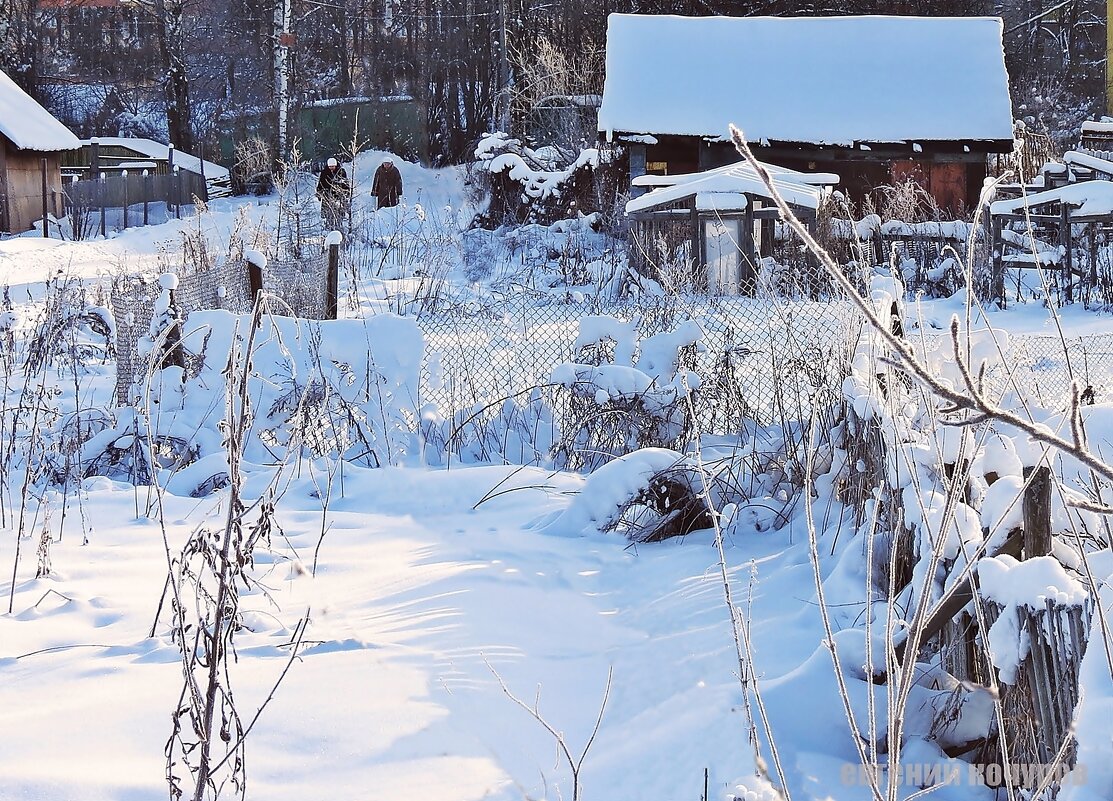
{"x":160,"y":152}
{"x":821,"y":80}
{"x":29,"y":126}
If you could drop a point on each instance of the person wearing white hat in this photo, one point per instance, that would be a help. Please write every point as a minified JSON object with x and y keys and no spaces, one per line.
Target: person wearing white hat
{"x":335,"y":194}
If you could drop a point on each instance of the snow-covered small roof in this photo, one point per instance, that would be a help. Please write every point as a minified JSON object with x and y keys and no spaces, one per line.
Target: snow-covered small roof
{"x":810,"y":178}
{"x":1091,"y":199}
{"x":1093,"y":126}
{"x":712,"y":187}
{"x":1086,"y":161}
{"x":822,"y":80}
{"x":160,"y":152}
{"x":29,"y":126}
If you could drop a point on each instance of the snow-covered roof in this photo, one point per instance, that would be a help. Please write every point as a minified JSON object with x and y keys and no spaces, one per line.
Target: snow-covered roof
{"x":810,"y":178}
{"x":160,"y":152}
{"x":1090,"y":198}
{"x":1088,"y":162}
{"x":711,"y":188}
{"x":28,"y":125}
{"x":1093,"y":126}
{"x":823,"y":80}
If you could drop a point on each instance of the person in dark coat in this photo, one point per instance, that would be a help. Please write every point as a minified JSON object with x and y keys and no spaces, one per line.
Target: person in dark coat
{"x":387,"y":186}
{"x":335,"y":194}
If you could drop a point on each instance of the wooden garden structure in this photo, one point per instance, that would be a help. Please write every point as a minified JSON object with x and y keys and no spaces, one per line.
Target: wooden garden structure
{"x":709,"y":230}
{"x":1058,"y":230}
{"x":875,"y":99}
{"x":31,"y":144}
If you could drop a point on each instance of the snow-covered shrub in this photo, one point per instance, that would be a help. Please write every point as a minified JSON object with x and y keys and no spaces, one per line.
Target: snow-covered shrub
{"x":525,"y":186}
{"x":342,"y":389}
{"x":513,"y":431}
{"x":252,"y":170}
{"x":647,"y":495}
{"x":69,"y":327}
{"x":613,"y":405}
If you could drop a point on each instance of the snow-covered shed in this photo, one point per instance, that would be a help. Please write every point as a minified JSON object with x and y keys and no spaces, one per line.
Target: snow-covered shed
{"x":873,"y":98}
{"x":29,"y":134}
{"x":718,"y":223}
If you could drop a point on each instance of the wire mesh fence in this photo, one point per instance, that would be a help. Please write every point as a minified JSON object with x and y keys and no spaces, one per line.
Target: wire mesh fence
{"x":297,"y":287}
{"x":760,"y":359}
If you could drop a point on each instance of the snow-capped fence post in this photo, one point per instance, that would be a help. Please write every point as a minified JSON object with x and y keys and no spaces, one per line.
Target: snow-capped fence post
{"x":124,"y":183}
{"x":996,"y":246}
{"x":333,"y":241}
{"x":101,"y":188}
{"x":170,"y":175}
{"x":177,"y":184}
{"x":1037,"y":511}
{"x":146,"y":197}
{"x":256,"y":263}
{"x":1067,"y":244}
{"x":46,"y":224}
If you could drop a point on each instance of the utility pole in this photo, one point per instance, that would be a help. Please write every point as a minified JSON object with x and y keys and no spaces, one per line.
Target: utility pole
{"x":1108,"y":57}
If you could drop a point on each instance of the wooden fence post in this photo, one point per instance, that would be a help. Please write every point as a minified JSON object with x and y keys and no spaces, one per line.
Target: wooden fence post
{"x":46,"y":225}
{"x":1066,"y":240}
{"x":146,"y":197}
{"x":94,"y":158}
{"x":124,"y":175}
{"x":256,"y":263}
{"x":1037,"y":511}
{"x":333,"y":280}
{"x":998,"y":271}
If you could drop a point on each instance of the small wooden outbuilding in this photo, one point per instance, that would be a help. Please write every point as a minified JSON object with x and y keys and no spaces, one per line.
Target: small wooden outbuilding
{"x":713,"y":228}
{"x":875,"y":99}
{"x":29,"y":138}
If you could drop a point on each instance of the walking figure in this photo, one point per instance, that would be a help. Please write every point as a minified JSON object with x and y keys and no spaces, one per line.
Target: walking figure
{"x":387,"y":186}
{"x":335,"y":194}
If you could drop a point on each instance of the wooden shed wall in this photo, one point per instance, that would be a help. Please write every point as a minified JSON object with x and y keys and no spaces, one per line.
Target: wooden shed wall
{"x":21,"y":186}
{"x":950,"y":174}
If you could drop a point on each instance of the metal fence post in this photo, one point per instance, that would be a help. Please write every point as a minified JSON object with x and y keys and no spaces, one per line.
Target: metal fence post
{"x":124,"y":175}
{"x":146,"y":197}
{"x":170,"y":173}
{"x":100,"y":197}
{"x":177,"y":192}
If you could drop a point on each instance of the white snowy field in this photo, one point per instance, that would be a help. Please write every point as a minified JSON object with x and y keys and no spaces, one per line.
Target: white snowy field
{"x":424,"y":588}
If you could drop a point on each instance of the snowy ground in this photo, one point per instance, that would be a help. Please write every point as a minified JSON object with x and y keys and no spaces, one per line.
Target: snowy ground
{"x":430,"y":586}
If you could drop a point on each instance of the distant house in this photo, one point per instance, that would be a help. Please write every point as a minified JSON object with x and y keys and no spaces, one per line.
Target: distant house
{"x":29,"y":135}
{"x":874,"y":99}
{"x":111,"y":155}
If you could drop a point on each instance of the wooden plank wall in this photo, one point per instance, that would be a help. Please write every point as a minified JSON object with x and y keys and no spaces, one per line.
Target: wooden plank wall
{"x":22,"y":187}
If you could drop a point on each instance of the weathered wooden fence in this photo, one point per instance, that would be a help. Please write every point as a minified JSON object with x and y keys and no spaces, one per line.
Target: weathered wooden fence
{"x":133,"y":192}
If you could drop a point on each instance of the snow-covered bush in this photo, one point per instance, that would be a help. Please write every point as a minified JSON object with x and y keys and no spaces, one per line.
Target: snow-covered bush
{"x":512,"y":431}
{"x":614,"y":405}
{"x":525,"y":186}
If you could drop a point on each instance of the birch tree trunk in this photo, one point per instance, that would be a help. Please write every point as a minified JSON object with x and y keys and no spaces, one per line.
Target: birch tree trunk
{"x":280,"y":72}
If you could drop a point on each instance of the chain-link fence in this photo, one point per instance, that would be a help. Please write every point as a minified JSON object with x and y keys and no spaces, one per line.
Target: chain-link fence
{"x":761,"y":359}
{"x":766,"y":360}
{"x":295,"y":287}
{"x":1041,"y":368}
